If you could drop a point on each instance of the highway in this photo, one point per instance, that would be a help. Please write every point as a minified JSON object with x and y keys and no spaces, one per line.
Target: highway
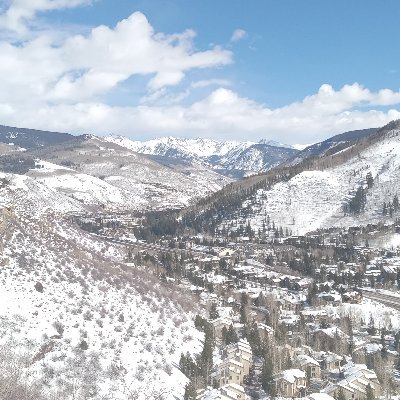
{"x":383,"y":298}
{"x":152,"y":246}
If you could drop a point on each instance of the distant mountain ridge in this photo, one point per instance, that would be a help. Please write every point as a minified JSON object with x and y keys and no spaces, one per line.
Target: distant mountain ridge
{"x":333,"y":144}
{"x":232,"y":158}
{"x":31,"y":138}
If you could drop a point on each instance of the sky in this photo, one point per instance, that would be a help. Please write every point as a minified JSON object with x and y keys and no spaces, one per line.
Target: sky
{"x":286,"y":70}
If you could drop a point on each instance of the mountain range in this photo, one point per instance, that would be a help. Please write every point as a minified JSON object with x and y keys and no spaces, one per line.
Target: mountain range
{"x":88,"y":172}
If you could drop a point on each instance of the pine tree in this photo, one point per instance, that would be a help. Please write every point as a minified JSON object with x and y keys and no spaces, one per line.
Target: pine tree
{"x":231,"y":336}
{"x":243,"y":308}
{"x":190,"y":392}
{"x":395,"y":203}
{"x":267,"y":380}
{"x":370,"y":180}
{"x":213,"y":312}
{"x":369,"y":393}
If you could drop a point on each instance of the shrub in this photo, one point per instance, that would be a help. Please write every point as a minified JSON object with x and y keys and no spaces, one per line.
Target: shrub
{"x":84,"y":345}
{"x":39,"y":287}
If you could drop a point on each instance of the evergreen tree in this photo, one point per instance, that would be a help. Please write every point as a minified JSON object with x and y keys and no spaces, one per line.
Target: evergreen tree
{"x":254,"y":339}
{"x":267,"y":380}
{"x":370,"y":180}
{"x":395,"y":203}
{"x":190,"y":392}
{"x":369,"y":393}
{"x":244,"y":300}
{"x":213,"y":311}
{"x":224,"y":335}
{"x":231,"y":336}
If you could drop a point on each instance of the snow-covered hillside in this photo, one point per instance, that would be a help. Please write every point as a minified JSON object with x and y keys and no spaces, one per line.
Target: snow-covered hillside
{"x":91,"y":172}
{"x":316,"y":198}
{"x":230,"y":156}
{"x":190,"y":147}
{"x":77,"y":323}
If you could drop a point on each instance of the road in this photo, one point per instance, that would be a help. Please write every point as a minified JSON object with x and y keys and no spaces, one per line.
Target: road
{"x":383,"y":298}
{"x":153,"y":246}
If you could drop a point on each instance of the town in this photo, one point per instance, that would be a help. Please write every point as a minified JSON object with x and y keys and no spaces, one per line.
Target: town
{"x":314,"y":316}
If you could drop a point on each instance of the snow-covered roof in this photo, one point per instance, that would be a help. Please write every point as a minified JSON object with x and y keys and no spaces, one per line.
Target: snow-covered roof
{"x":291,"y":375}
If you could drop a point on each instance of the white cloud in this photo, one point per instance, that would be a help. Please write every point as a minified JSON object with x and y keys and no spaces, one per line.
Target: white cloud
{"x":223,"y":114}
{"x":210,"y":82}
{"x":20,"y":12}
{"x":85,"y":66}
{"x":238,"y":34}
{"x":58,"y":85}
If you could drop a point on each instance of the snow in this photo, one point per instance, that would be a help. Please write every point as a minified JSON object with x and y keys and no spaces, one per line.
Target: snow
{"x":290,"y":375}
{"x":109,"y":176}
{"x":199,"y":147}
{"x":314,"y":198}
{"x":124,"y":314}
{"x":230,"y":155}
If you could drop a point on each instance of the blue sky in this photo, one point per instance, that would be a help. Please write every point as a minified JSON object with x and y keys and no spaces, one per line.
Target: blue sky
{"x":292,"y":47}
{"x":295,"y":71}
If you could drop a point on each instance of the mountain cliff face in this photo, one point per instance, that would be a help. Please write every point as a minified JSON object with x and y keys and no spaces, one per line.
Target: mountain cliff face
{"x":231,"y":158}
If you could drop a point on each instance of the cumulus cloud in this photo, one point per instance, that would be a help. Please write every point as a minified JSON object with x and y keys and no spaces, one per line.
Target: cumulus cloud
{"x":223,"y":114}
{"x":20,"y":12}
{"x":62,"y":85}
{"x":83,"y":67}
{"x":238,"y":34}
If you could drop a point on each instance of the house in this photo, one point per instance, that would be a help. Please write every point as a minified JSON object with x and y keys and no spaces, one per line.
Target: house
{"x":226,"y":253}
{"x":229,"y":371}
{"x":310,"y":366}
{"x":230,"y":391}
{"x":331,"y":361}
{"x":240,"y":352}
{"x":233,"y":392}
{"x":357,"y":378}
{"x":235,"y":366}
{"x":291,"y":383}
{"x":265,"y":331}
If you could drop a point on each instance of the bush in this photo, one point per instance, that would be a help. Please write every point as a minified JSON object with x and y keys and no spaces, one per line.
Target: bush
{"x":39,"y":287}
{"x":84,"y":345}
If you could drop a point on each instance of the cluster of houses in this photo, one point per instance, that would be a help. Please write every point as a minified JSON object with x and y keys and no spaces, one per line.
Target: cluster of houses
{"x":315,"y":375}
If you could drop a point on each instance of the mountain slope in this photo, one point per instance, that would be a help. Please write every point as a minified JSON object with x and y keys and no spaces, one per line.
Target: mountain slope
{"x":31,"y":138}
{"x":231,"y":158}
{"x":345,"y":188}
{"x":316,"y":198}
{"x":333,"y":144}
{"x":93,"y":172}
{"x":83,"y":323}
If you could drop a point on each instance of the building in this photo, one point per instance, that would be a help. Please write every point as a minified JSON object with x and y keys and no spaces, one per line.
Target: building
{"x":357,"y":377}
{"x":291,"y":383}
{"x":310,"y":366}
{"x":235,"y":364}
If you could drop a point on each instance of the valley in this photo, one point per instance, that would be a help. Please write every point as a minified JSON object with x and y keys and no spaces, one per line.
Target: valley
{"x":132,"y":276}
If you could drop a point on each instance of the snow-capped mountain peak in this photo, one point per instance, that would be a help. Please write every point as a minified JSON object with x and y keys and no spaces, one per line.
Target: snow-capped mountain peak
{"x":233,"y":158}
